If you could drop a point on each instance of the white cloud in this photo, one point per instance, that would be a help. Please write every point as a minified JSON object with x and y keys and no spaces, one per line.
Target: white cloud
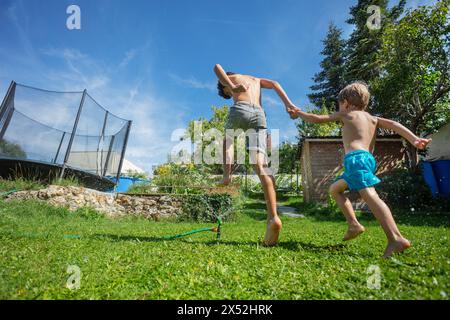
{"x":192,"y":82}
{"x":271,"y":102}
{"x":149,"y":142}
{"x":82,"y":71}
{"x":17,"y":18}
{"x":129,"y":56}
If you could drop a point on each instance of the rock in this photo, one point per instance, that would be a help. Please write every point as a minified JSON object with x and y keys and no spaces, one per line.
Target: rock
{"x":74,"y":198}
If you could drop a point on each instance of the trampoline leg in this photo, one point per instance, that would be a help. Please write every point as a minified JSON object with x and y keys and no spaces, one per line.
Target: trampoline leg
{"x":74,"y":131}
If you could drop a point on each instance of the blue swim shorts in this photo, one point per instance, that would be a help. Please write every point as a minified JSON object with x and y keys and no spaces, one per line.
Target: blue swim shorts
{"x":359,"y":170}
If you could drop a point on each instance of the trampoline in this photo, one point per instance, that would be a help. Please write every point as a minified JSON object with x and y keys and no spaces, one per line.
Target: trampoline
{"x":47,"y":134}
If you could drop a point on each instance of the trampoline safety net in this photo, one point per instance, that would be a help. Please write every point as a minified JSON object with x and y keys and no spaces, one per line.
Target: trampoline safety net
{"x":67,"y":129}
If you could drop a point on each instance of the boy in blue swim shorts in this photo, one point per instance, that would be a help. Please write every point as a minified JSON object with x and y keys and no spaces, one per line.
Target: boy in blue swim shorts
{"x":359,"y":170}
{"x":359,"y":133}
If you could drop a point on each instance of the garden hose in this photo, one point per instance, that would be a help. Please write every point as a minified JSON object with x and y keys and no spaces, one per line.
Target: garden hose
{"x":34,"y":235}
{"x":217,"y":229}
{"x":5,"y":194}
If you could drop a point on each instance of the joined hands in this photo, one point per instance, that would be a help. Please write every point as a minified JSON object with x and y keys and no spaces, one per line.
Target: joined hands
{"x":421,"y":143}
{"x":293,"y":111}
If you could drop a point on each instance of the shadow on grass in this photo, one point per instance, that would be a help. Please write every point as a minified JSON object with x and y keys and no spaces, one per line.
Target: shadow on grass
{"x":317,"y":212}
{"x":281,"y":196}
{"x":435,"y":220}
{"x":256,"y":211}
{"x":288,"y":245}
{"x":311,"y":247}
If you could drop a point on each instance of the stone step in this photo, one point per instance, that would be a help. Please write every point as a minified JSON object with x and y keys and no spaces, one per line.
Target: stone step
{"x":289,"y":212}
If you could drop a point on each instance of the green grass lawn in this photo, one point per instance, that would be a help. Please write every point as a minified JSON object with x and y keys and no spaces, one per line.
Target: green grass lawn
{"x":126,"y":259}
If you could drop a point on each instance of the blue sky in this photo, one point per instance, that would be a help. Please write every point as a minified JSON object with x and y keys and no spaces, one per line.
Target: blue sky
{"x":151,"y":61}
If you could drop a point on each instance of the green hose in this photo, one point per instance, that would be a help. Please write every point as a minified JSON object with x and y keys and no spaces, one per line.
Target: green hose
{"x":188,"y":233}
{"x":33,"y":235}
{"x":217,"y":229}
{"x":5,"y":194}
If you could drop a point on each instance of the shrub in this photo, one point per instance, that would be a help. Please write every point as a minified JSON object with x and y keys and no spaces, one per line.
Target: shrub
{"x":207,"y":208}
{"x":70,"y":181}
{"x":283,"y":183}
{"x":89,"y":214}
{"x":20,"y":184}
{"x":402,"y":189}
{"x":181,"y":179}
{"x":332,"y":205}
{"x":11,"y":149}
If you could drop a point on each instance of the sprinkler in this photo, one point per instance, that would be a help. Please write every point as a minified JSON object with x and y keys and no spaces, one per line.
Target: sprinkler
{"x":217,"y":230}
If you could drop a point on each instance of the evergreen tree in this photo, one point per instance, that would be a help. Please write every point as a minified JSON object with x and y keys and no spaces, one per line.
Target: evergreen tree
{"x":365,"y":42}
{"x":330,"y":80}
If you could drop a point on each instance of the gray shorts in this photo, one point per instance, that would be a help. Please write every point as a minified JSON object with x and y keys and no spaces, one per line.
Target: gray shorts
{"x":252,"y":120}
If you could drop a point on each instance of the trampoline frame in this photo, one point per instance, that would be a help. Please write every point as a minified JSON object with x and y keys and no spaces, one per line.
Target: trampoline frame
{"x":64,"y":166}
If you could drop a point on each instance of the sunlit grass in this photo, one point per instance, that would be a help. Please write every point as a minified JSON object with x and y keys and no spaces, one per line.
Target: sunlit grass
{"x":127,"y":258}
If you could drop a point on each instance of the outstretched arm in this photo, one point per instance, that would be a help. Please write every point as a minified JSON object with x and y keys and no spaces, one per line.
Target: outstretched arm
{"x":419,"y":143}
{"x":314,"y":118}
{"x":271,"y":84}
{"x":225,"y":80}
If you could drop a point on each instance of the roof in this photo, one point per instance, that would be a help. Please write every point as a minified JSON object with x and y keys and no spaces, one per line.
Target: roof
{"x":379,"y":137}
{"x":129,"y":166}
{"x":439,"y":149}
{"x":430,"y":133}
{"x":390,"y":137}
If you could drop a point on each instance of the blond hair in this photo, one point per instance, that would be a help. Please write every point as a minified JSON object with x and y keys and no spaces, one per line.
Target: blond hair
{"x":357,"y":94}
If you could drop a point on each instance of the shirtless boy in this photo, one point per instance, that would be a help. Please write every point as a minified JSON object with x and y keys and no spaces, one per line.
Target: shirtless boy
{"x":359,"y":133}
{"x":247,"y":113}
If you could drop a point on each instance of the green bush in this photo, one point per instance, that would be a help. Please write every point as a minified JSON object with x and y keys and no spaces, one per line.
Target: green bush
{"x":332,"y":205}
{"x":70,"y":181}
{"x":180,"y":179}
{"x":402,"y":189}
{"x":207,"y":208}
{"x":283,"y":182}
{"x":89,"y":213}
{"x":20,"y":184}
{"x":11,"y":149}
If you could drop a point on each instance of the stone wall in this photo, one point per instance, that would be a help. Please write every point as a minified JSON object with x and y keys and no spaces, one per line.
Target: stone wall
{"x":151,"y":207}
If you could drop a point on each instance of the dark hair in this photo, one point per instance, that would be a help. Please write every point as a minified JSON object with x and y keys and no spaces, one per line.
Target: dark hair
{"x":221,"y":87}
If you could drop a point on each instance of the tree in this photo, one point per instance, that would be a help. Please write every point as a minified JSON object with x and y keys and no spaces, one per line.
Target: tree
{"x":218,"y":121}
{"x":330,"y":80}
{"x":288,"y":158}
{"x":11,"y":149}
{"x":364,"y":42}
{"x":307,"y":129}
{"x":135,"y":174}
{"x":415,"y":84}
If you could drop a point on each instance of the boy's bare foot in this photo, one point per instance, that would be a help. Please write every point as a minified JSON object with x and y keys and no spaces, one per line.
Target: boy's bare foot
{"x":353,"y":231}
{"x":274,"y":226}
{"x":397,"y":246}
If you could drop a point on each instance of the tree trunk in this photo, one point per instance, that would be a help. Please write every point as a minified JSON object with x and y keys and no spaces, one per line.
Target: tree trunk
{"x":412,"y":158}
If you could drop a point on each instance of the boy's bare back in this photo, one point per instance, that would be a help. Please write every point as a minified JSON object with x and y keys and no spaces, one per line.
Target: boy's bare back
{"x":359,"y":130}
{"x":253,"y":92}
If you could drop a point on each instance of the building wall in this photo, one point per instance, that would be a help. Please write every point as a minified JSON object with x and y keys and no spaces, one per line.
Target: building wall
{"x":439,"y":149}
{"x":322,"y":162}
